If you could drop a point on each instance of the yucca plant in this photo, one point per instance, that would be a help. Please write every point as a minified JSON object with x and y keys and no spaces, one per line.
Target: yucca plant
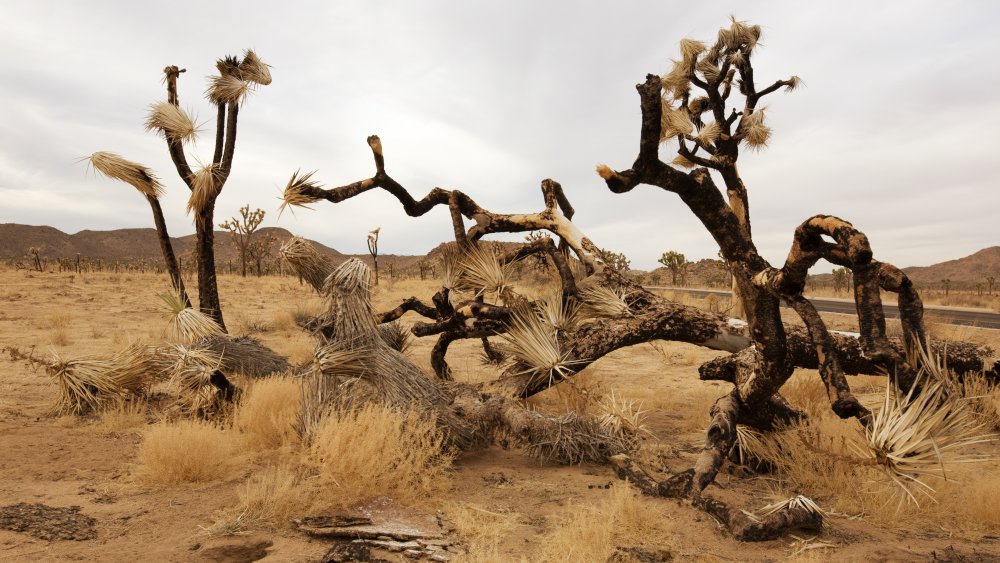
{"x":145,"y":182}
{"x":562,"y":314}
{"x":915,"y":435}
{"x":600,"y":301}
{"x":534,"y":348}
{"x":187,"y":324}
{"x":482,"y":272}
{"x":307,"y":261}
{"x":83,"y":382}
{"x":300,"y":191}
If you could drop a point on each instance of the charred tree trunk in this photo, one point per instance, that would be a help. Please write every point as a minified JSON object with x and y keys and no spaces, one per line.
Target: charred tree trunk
{"x":167,"y":248}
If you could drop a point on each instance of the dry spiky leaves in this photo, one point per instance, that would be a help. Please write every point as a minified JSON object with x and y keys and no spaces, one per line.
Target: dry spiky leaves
{"x":755,"y":133}
{"x":482,"y":272}
{"x":172,"y":122}
{"x":600,"y":301}
{"x":253,"y":69}
{"x":205,"y":187}
{"x":132,"y":173}
{"x":187,"y":324}
{"x":306,"y":260}
{"x":300,"y":191}
{"x":227,"y":89}
{"x":918,"y":434}
{"x":534,"y":347}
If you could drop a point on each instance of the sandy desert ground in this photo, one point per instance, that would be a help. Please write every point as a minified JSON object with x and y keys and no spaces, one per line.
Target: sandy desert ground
{"x":503,"y":504}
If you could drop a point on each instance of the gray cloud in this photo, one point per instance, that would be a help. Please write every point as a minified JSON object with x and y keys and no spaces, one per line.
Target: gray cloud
{"x":893,"y":131}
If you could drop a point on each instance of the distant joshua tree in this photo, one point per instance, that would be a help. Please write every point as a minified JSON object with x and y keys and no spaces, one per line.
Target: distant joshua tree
{"x":990,"y":282}
{"x":236,"y":79}
{"x":373,"y":249}
{"x":242,"y":228}
{"x":616,"y":260}
{"x":675,"y":262}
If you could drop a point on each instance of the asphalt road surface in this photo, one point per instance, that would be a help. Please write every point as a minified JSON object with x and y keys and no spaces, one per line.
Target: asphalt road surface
{"x":982,"y":318}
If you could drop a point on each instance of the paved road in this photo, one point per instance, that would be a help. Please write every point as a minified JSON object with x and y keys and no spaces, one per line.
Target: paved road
{"x":983,"y":318}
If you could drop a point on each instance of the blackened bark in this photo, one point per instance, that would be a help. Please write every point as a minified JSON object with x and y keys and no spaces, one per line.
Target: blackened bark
{"x":169,"y":258}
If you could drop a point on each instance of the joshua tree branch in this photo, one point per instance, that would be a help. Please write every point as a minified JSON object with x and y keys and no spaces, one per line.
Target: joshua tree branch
{"x":174,"y":145}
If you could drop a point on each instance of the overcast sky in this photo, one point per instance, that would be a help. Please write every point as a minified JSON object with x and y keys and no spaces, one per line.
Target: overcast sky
{"x":894,"y":131}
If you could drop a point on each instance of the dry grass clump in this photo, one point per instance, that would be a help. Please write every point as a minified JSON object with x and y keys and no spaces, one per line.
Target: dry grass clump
{"x":983,"y":398}
{"x":269,"y":411}
{"x":121,"y":416}
{"x":592,"y":533}
{"x":268,"y":499}
{"x":375,"y":449}
{"x":187,"y":451}
{"x":132,"y":173}
{"x":481,"y":529}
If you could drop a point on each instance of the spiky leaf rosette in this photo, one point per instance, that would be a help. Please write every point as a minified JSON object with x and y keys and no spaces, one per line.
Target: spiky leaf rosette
{"x":482,"y":271}
{"x":83,"y":382}
{"x":204,"y":188}
{"x":187,"y":324}
{"x":623,"y":416}
{"x":561,"y":314}
{"x":603,"y":302}
{"x":534,"y":347}
{"x":132,"y":173}
{"x":188,"y":370}
{"x":227,"y":89}
{"x":395,"y":336}
{"x":798,"y":501}
{"x":300,"y":191}
{"x":755,"y":133}
{"x":306,"y":260}
{"x":254,"y":69}
{"x":916,"y":435}
{"x":172,"y":122}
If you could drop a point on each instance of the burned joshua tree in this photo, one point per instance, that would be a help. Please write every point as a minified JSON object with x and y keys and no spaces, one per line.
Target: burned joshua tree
{"x":236,"y":79}
{"x":708,"y":104}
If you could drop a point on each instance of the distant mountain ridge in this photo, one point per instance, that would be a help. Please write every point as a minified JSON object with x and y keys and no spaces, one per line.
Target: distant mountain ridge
{"x":142,"y":244}
{"x":119,"y":244}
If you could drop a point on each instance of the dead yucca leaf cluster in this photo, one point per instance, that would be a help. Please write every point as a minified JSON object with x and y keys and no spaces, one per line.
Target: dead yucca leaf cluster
{"x":575,"y":438}
{"x":132,"y":173}
{"x":623,"y":416}
{"x":562,"y":314}
{"x":172,"y":122}
{"x":916,"y":435}
{"x":348,"y":289}
{"x":87,"y":381}
{"x":236,"y":78}
{"x":188,"y":370}
{"x":300,"y":191}
{"x":186,"y":323}
{"x":534,"y":348}
{"x":205,"y":187}
{"x":306,"y":260}
{"x":482,"y":272}
{"x":600,"y":301}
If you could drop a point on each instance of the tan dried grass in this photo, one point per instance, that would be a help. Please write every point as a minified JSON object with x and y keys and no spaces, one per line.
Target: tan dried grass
{"x":584,"y":534}
{"x":375,"y":449}
{"x":269,"y":411}
{"x":187,"y":451}
{"x":268,"y":500}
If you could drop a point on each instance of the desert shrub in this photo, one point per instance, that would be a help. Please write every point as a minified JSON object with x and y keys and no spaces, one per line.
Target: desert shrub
{"x":269,"y":411}
{"x":375,"y":449}
{"x":187,"y":451}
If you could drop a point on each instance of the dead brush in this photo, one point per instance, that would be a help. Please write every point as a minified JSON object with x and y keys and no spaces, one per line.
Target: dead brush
{"x":87,"y":381}
{"x":172,"y":122}
{"x":574,"y":438}
{"x":306,"y":261}
{"x":396,"y":336}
